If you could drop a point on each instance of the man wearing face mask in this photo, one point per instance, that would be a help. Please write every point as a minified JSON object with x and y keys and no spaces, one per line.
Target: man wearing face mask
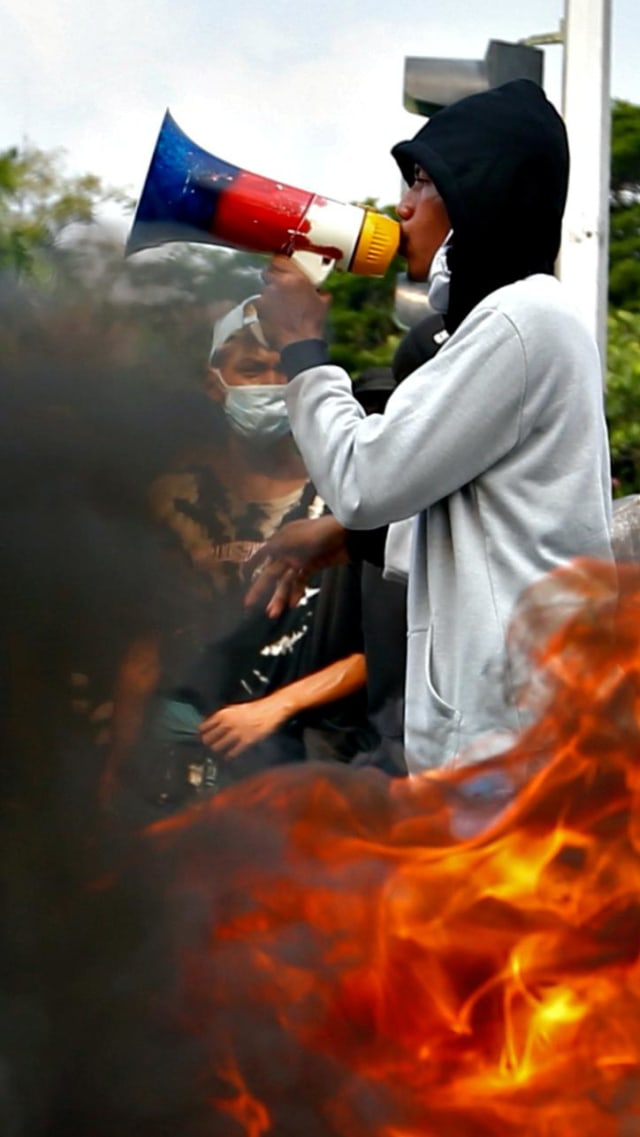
{"x":493,"y":455}
{"x":240,"y":690}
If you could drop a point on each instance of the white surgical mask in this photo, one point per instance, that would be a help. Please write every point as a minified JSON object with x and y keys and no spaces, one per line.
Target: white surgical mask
{"x":440,"y":278}
{"x":256,"y":410}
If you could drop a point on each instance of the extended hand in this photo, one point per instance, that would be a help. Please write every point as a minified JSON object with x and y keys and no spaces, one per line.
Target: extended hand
{"x":284,"y":564}
{"x":234,"y":728}
{"x":290,"y":308}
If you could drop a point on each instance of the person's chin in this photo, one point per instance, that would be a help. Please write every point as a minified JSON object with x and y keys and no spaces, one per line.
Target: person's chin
{"x":416,"y":275}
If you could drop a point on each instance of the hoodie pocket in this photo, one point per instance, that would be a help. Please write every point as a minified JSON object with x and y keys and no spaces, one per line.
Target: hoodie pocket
{"x":432,"y":725}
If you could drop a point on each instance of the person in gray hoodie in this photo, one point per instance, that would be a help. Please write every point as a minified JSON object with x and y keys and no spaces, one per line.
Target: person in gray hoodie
{"x":496,"y":448}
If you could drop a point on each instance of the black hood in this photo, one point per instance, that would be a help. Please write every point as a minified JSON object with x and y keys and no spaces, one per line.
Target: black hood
{"x":500,"y":162}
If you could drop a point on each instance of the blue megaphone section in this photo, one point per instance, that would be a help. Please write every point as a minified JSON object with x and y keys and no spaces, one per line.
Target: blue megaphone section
{"x":180,"y":194}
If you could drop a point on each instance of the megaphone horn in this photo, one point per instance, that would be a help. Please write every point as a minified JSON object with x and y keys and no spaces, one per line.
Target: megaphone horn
{"x":191,"y":195}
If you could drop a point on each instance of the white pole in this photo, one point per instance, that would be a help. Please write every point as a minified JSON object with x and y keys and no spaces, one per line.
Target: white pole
{"x":587,"y":114}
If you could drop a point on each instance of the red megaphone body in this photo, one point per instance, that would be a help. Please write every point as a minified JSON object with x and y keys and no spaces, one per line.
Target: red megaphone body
{"x":190,"y":195}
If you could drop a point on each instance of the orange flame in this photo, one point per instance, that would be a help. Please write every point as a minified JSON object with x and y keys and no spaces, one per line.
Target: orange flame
{"x":412,"y":960}
{"x":249,"y":1113}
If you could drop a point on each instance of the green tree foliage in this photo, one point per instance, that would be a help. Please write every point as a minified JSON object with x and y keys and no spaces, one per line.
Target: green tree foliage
{"x":362,"y":329}
{"x":624,"y":218}
{"x":624,"y":257}
{"x":623,"y":399}
{"x":623,"y":352}
{"x":38,"y":203}
{"x":625,"y":151}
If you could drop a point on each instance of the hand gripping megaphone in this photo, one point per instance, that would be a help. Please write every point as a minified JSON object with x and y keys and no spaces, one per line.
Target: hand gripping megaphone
{"x":190,"y":195}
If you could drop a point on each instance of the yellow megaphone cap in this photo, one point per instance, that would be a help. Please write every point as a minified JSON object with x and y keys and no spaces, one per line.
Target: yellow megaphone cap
{"x":377,"y":244}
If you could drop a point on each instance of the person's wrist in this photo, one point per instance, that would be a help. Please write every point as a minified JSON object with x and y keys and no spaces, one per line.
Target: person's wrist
{"x":282,"y":705}
{"x":299,"y":355}
{"x":334,"y":538}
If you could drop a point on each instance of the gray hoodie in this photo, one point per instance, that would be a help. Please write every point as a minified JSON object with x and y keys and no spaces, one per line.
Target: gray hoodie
{"x":496,"y":448}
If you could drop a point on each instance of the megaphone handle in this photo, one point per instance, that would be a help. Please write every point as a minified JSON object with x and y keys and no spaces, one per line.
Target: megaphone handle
{"x":313,"y":265}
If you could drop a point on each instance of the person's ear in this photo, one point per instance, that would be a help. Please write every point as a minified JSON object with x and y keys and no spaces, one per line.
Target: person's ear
{"x":213,"y":385}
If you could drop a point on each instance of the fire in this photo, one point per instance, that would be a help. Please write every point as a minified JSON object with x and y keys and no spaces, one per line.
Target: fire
{"x":249,"y":1113}
{"x":412,"y":960}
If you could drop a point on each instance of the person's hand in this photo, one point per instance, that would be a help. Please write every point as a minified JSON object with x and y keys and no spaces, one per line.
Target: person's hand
{"x":290,"y":308}
{"x":282,"y":567}
{"x":231,"y":730}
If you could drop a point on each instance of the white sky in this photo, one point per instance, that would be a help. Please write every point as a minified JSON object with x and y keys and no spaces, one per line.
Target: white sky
{"x":309,"y":93}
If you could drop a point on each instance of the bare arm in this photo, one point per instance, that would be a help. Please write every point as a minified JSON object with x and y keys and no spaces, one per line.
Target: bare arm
{"x":230,"y":730}
{"x":336,"y":681}
{"x":136,"y":681}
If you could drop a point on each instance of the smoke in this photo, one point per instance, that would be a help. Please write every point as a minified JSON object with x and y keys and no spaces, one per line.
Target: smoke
{"x":152,"y":981}
{"x":95,"y":396}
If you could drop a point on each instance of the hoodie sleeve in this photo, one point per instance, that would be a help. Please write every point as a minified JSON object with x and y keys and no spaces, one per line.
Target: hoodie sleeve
{"x":449,"y":422}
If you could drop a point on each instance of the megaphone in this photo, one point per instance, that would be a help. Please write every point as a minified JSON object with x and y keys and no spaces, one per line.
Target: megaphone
{"x":190,"y":195}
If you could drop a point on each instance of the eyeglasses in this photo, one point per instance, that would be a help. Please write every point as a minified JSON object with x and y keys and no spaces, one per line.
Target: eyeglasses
{"x":420,"y":178}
